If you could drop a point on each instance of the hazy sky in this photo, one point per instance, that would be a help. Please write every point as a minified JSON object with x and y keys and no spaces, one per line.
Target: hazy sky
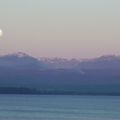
{"x":61,"y":28}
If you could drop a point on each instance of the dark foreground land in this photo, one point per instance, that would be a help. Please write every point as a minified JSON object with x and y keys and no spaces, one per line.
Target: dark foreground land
{"x":15,"y":90}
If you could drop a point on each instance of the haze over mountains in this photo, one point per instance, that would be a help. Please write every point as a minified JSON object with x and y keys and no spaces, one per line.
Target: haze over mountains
{"x":60,"y":76}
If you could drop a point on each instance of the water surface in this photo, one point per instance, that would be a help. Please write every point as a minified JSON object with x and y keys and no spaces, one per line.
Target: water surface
{"x":59,"y":107}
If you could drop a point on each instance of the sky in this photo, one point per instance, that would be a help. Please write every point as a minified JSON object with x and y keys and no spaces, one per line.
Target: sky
{"x":60,"y":28}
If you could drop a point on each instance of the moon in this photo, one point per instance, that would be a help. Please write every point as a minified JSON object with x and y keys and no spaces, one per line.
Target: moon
{"x":1,"y":33}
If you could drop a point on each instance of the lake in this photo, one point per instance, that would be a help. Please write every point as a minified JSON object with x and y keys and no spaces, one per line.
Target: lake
{"x":59,"y":107}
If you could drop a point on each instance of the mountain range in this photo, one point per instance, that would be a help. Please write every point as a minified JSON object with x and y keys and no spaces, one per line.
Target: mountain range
{"x":98,"y":76}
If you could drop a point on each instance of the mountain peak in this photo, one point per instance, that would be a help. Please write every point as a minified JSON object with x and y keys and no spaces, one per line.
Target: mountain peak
{"x":20,"y":54}
{"x":108,"y":58}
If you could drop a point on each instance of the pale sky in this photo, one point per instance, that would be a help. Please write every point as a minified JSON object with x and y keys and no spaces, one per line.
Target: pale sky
{"x":60,"y":28}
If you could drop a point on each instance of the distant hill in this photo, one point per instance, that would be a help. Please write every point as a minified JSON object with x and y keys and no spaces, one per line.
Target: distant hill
{"x":95,"y":76}
{"x":103,"y":62}
{"x":20,"y":61}
{"x":60,"y":63}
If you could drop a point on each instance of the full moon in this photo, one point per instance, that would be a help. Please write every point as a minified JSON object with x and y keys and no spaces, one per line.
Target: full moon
{"x":1,"y":33}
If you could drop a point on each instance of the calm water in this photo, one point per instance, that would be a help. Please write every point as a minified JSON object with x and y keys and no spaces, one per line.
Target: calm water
{"x":37,"y":107}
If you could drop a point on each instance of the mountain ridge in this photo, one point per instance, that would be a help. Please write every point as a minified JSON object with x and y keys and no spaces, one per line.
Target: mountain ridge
{"x":100,"y":75}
